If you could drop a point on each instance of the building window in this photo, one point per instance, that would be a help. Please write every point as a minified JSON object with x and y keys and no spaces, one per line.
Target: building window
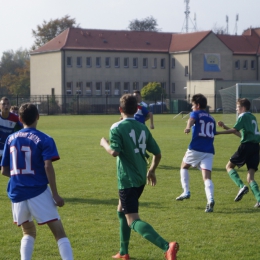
{"x":145,"y":63}
{"x":145,"y":83}
{"x":135,"y":85}
{"x":173,"y":88}
{"x":237,"y":65}
{"x":88,"y":62}
{"x":163,"y":85}
{"x":245,"y":65}
{"x":252,"y":65}
{"x":69,"y":62}
{"x":126,"y":87}
{"x":53,"y":91}
{"x":79,"y":88}
{"x":135,"y":62}
{"x":69,"y":88}
{"x":173,"y":63}
{"x":79,"y":62}
{"x":154,"y":63}
{"x":98,"y":88}
{"x":162,"y":63}
{"x":126,"y":62}
{"x":98,"y":62}
{"x":107,"y":61}
{"x":89,"y":88}
{"x":117,"y":62}
{"x":108,"y":88}
{"x":186,"y":71}
{"x":117,"y":89}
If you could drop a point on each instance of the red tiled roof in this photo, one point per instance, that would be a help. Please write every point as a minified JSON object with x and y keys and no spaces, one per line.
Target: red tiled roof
{"x":108,"y":40}
{"x":187,"y":41}
{"x":243,"y":44}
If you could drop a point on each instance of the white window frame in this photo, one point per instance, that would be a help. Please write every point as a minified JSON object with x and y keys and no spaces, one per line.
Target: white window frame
{"x":88,"y":62}
{"x":89,"y":88}
{"x":79,"y":62}
{"x":107,"y":62}
{"x":69,"y":88}
{"x":79,"y":86}
{"x":145,"y":63}
{"x":98,"y":88}
{"x":108,"y":88}
{"x":126,"y":62}
{"x":135,"y":62}
{"x":117,"y":88}
{"x":98,"y":62}
{"x":69,"y":59}
{"x":117,"y":62}
{"x":126,"y":87}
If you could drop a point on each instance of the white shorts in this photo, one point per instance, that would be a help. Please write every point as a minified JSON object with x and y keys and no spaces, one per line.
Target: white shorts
{"x":41,"y":207}
{"x":201,"y":160}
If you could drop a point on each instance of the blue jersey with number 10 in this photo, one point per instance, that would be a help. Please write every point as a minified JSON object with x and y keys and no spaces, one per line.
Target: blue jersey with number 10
{"x":25,"y":152}
{"x":203,"y":132}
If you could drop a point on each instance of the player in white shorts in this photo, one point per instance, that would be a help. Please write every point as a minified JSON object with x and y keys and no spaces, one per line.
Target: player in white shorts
{"x":200,"y":151}
{"x":27,"y":160}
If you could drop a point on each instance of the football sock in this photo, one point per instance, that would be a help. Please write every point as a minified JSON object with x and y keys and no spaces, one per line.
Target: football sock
{"x":209,"y":189}
{"x":26,"y":250}
{"x":65,"y":249}
{"x":255,"y":189}
{"x":125,"y":232}
{"x":235,"y":178}
{"x":147,"y":231}
{"x":185,"y":180}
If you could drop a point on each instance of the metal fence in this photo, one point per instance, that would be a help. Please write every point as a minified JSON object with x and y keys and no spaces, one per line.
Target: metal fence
{"x":82,"y":105}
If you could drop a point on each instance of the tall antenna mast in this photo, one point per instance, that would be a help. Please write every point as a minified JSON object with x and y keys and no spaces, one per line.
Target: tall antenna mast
{"x":227,"y":23}
{"x":187,"y":17}
{"x":195,"y":22}
{"x":236,"y":24}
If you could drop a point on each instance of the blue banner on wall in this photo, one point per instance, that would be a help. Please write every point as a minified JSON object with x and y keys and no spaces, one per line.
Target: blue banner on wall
{"x":212,"y":62}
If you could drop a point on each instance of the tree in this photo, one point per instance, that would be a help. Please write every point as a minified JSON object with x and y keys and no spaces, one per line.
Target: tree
{"x":152,"y":91}
{"x":49,"y":30}
{"x":147,"y":24}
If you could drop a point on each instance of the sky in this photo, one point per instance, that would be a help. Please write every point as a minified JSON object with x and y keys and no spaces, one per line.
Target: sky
{"x":19,"y":17}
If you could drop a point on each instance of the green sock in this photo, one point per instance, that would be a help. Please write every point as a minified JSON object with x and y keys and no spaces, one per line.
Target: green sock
{"x":125,"y":232}
{"x":147,"y":231}
{"x":235,"y":178}
{"x":255,"y":189}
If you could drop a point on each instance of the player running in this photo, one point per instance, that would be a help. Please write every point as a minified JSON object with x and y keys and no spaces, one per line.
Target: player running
{"x":246,"y":127}
{"x":200,"y":151}
{"x":27,"y":161}
{"x":128,"y":142}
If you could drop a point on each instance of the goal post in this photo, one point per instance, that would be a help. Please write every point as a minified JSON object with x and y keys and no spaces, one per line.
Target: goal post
{"x":230,"y":95}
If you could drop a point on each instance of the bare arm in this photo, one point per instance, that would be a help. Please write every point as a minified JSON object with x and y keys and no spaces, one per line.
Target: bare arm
{"x":190,"y":123}
{"x":228,"y":130}
{"x":151,"y":177}
{"x":52,"y":182}
{"x":151,"y":120}
{"x":5,"y":170}
{"x":104,"y":143}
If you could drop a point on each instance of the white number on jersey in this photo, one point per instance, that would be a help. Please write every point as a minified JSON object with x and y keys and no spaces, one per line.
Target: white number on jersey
{"x":141,"y":141}
{"x":256,"y":130}
{"x":206,"y":130}
{"x":27,"y":157}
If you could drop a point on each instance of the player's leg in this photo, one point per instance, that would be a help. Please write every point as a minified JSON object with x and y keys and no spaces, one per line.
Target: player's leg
{"x":130,"y":206}
{"x":125,"y":232}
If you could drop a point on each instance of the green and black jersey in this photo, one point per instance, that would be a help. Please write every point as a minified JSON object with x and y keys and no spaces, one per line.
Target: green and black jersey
{"x":131,"y":139}
{"x":248,"y":127}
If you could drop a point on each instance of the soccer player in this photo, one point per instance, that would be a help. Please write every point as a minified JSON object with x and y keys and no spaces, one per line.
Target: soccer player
{"x":142,"y":113}
{"x":27,"y":161}
{"x":9,"y":122}
{"x":200,"y":151}
{"x":128,"y":142}
{"x":245,"y":127}
{"x":14,"y":110}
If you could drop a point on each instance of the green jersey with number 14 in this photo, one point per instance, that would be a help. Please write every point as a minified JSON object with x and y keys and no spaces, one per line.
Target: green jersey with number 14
{"x":131,"y":139}
{"x":248,"y":127}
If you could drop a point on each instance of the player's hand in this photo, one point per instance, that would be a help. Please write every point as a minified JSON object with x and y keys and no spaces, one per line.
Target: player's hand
{"x":58,"y":200}
{"x":220,"y":123}
{"x":151,"y":126}
{"x":103,"y":140}
{"x":151,"y":178}
{"x":186,"y":130}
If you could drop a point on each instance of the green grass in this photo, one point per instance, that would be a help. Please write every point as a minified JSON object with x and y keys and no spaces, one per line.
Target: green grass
{"x":86,"y":178}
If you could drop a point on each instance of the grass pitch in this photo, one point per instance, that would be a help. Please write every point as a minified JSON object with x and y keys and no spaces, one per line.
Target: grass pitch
{"x":86,"y":179}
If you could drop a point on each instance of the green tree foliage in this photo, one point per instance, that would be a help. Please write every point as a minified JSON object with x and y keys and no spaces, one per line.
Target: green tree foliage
{"x":49,"y":30}
{"x":152,"y":91}
{"x":146,"y":24}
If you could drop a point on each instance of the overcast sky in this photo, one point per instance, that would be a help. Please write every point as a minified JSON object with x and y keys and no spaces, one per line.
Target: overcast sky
{"x":19,"y":17}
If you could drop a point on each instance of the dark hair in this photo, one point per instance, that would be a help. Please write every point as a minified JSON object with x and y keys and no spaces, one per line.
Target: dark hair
{"x":200,"y":99}
{"x":244,"y":102}
{"x":137,"y":92}
{"x":128,"y":104}
{"x":4,"y":98}
{"x":28,"y":113}
{"x":14,"y":108}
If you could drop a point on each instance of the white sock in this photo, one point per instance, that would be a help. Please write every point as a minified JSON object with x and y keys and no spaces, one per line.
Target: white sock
{"x":65,"y":249}
{"x":185,"y":180}
{"x":209,"y":189}
{"x":26,"y":250}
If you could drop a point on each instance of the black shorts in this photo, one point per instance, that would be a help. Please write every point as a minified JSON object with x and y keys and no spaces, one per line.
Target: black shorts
{"x":129,"y":199}
{"x":247,"y":153}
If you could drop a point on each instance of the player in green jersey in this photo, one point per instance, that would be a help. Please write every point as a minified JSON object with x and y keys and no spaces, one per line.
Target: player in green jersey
{"x":128,"y":142}
{"x":245,"y":127}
